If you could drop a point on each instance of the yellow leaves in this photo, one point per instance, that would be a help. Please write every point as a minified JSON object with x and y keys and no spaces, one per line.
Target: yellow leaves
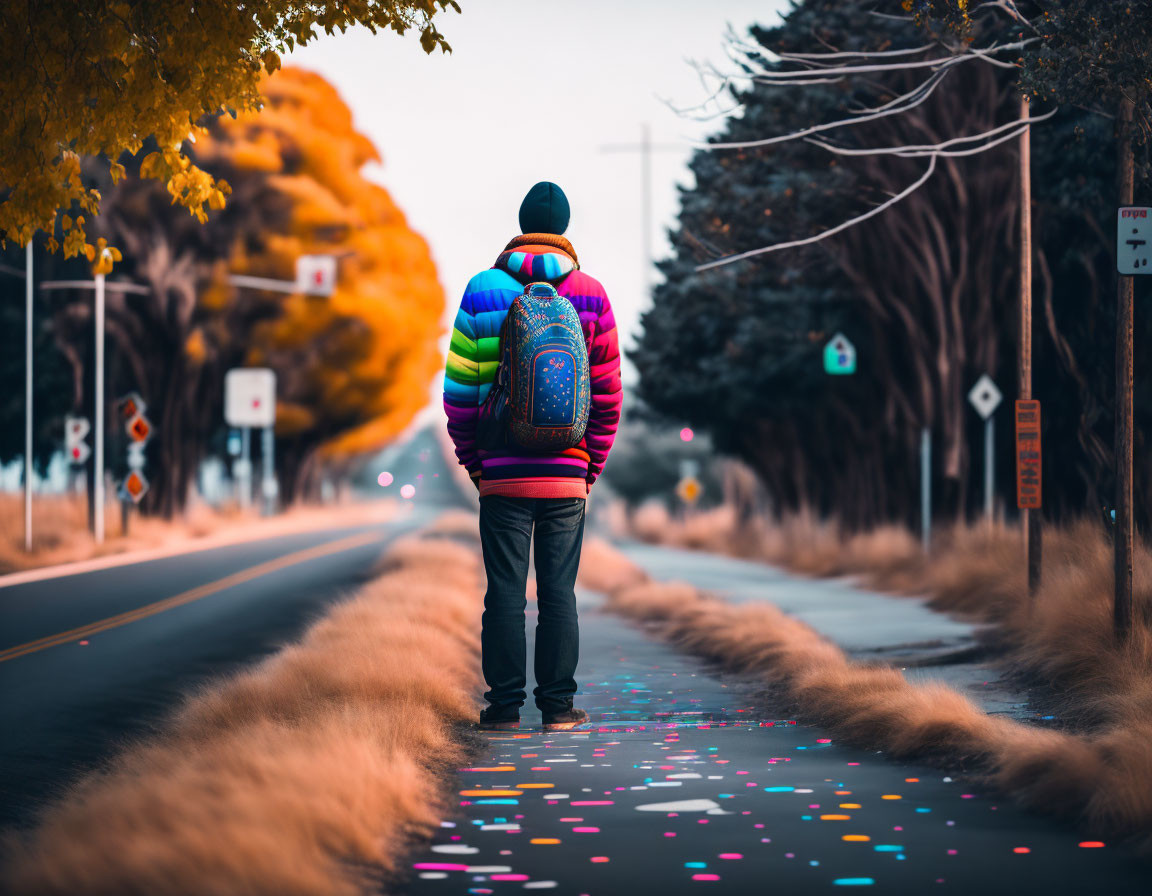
{"x":122,"y":73}
{"x":74,"y":243}
{"x":153,"y":165}
{"x":195,"y":349}
{"x":102,"y":256}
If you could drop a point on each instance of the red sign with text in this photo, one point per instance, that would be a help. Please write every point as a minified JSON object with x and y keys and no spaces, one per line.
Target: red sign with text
{"x":1028,"y":455}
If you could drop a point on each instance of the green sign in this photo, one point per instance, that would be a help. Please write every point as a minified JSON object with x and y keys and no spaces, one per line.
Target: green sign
{"x":839,"y":356}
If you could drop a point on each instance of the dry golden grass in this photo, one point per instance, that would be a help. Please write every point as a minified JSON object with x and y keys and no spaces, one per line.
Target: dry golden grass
{"x":1104,"y":780}
{"x":60,"y":527}
{"x":1062,"y":637}
{"x":305,"y":774}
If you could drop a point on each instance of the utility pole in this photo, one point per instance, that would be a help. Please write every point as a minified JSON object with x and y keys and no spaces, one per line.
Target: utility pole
{"x":645,"y":147}
{"x":28,"y":398}
{"x":98,"y":417}
{"x":1123,"y":609}
{"x":1031,"y":520}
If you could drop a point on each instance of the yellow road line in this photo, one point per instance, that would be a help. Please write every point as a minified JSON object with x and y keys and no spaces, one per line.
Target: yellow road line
{"x":246,"y":575}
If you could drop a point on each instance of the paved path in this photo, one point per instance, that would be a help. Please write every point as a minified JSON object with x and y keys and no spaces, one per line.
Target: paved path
{"x":685,"y":782}
{"x":867,"y":625}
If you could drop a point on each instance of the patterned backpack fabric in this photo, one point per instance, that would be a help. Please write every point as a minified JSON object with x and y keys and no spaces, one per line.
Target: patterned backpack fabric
{"x":544,"y":380}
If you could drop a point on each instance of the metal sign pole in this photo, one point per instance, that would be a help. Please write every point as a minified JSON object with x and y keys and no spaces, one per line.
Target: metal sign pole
{"x":28,"y":399}
{"x":246,"y":466}
{"x":1123,"y":608}
{"x":925,"y":487}
{"x":98,"y":455}
{"x":268,"y":486}
{"x":989,"y":467}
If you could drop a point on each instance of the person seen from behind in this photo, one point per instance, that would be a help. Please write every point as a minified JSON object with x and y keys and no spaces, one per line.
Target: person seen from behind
{"x":532,"y":393}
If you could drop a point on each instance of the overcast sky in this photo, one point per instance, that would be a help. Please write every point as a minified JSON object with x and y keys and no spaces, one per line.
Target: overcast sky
{"x":532,"y":90}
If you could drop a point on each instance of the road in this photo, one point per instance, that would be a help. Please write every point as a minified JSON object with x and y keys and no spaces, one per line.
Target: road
{"x":92,"y":659}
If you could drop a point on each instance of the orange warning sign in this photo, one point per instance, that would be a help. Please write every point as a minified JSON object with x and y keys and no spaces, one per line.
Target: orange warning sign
{"x":134,"y":486}
{"x":140,"y":428}
{"x":1028,"y":468}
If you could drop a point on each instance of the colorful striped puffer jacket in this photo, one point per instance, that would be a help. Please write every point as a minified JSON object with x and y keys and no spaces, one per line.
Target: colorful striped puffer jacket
{"x":473,"y":357}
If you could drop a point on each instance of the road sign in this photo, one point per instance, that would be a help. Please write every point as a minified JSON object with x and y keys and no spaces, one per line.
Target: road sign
{"x":688,"y":489}
{"x":985,"y":397}
{"x":250,"y":397}
{"x":139,"y":428}
{"x":1134,"y":240}
{"x":134,"y":487}
{"x":839,"y":356}
{"x":79,"y":453}
{"x":75,"y":429}
{"x":1028,"y":468}
{"x":316,"y":274}
{"x":130,"y":405}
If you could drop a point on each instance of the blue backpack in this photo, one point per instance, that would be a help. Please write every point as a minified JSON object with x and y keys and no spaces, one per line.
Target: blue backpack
{"x":542,"y":391}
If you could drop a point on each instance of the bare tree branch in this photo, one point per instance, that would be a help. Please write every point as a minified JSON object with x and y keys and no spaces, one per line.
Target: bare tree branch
{"x":844,"y":225}
{"x":912,"y":150}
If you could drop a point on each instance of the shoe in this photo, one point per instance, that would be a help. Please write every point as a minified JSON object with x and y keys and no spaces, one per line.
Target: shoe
{"x":562,"y":721}
{"x":492,"y":719}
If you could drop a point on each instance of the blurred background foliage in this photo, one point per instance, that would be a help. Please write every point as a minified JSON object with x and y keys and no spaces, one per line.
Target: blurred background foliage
{"x":352,"y":368}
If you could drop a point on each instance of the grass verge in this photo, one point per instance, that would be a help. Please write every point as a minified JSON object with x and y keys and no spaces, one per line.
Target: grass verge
{"x":1061,"y":637}
{"x":60,"y":527}
{"x":308,"y":773}
{"x":1104,"y":780}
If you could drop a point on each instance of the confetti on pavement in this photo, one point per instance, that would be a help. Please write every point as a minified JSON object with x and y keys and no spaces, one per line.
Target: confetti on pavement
{"x":684,"y":781}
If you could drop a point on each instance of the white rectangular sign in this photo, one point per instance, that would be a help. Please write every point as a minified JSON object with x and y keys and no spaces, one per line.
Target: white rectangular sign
{"x":250,"y":397}
{"x":316,"y":274}
{"x":1134,"y":240}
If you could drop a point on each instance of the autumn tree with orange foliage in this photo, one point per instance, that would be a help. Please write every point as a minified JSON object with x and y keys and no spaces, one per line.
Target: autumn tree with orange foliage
{"x":352,"y":368}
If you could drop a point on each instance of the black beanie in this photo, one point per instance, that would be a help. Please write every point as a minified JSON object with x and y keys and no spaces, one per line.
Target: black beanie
{"x":544,"y":210}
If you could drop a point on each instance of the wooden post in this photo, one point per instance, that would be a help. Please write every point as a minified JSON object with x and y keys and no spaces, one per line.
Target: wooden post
{"x":1123,"y":610}
{"x":1029,"y":519}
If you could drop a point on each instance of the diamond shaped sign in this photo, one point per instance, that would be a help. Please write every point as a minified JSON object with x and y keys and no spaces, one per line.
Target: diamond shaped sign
{"x":139,"y":428}
{"x":985,"y":397}
{"x":134,"y":487}
{"x":688,"y":489}
{"x":130,"y":405}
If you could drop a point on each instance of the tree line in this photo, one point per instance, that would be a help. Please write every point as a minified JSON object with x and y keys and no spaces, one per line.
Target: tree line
{"x":926,"y":290}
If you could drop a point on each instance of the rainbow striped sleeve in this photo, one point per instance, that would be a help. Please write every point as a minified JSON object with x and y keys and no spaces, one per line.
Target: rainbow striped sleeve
{"x":462,"y":388}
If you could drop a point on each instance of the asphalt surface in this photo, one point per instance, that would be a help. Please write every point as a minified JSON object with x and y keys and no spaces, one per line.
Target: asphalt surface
{"x":685,"y":778}
{"x":66,"y":707}
{"x":686,"y":782}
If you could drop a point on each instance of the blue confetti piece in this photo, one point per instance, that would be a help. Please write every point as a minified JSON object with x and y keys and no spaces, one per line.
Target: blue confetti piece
{"x":853,"y":882}
{"x":888,"y":847}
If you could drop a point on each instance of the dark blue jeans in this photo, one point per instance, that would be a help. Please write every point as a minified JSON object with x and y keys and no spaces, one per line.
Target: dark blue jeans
{"x":506,"y":532}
